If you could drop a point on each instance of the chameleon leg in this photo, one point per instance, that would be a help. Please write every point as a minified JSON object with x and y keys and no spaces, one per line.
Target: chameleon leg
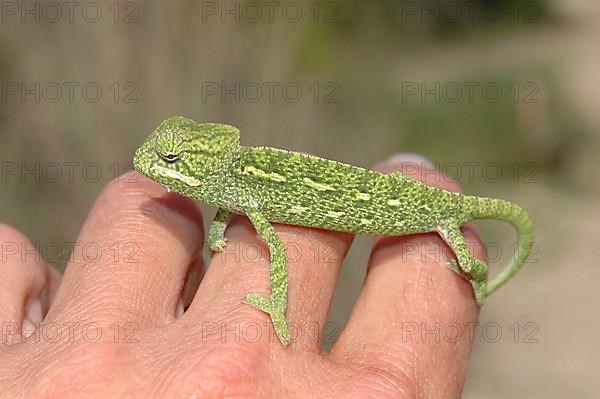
{"x":216,"y":231}
{"x":468,"y":265}
{"x":276,"y":304}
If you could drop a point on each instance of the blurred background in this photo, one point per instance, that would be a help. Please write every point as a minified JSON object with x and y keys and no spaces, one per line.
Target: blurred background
{"x":501,"y":95}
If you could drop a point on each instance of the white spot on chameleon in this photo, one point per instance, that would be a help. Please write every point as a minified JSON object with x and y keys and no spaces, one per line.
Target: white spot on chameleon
{"x":298,"y":209}
{"x":317,"y":186}
{"x":394,"y":202}
{"x":173,"y":174}
{"x":333,"y":214}
{"x":366,"y":221}
{"x":265,"y":175}
{"x":363,"y":196}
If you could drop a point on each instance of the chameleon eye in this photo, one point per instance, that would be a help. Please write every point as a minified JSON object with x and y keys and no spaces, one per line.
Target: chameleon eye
{"x":170,"y":158}
{"x":169,"y":146}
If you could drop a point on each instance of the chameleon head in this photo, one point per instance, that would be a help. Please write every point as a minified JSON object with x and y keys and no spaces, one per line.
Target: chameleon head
{"x":187,"y":156}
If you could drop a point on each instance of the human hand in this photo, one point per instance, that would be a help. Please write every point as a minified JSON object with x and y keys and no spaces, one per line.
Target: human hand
{"x":114,"y":324}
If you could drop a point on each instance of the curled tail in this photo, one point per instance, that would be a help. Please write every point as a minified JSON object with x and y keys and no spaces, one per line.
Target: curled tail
{"x":490,"y":208}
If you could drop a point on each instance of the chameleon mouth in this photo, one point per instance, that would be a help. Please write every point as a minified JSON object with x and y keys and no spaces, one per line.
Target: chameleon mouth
{"x":173,"y":174}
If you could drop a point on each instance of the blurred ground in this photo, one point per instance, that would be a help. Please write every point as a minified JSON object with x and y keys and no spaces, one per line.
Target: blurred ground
{"x":355,"y":65}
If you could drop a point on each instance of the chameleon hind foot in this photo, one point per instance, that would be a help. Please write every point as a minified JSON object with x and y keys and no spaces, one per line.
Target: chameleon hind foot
{"x":479,"y":270}
{"x":480,"y":291}
{"x":465,"y":263}
{"x":276,"y":310}
{"x":477,"y":278}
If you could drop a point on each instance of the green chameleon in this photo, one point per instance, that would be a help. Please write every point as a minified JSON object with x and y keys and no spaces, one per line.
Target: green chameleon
{"x":205,"y":161}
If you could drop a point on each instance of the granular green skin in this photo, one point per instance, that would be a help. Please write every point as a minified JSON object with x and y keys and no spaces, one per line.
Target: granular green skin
{"x":205,"y":161}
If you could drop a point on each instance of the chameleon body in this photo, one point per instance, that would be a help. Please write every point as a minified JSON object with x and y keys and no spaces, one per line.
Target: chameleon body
{"x":205,"y":161}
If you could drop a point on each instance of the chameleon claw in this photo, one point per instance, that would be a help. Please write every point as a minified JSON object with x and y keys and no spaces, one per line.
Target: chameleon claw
{"x":477,"y":276}
{"x":275,"y":311}
{"x":258,"y":301}
{"x":453,"y":264}
{"x":479,"y":271}
{"x":480,"y":290}
{"x":218,"y":245}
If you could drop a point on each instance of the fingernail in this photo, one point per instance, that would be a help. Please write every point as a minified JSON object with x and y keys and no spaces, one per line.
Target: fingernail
{"x":27,"y":328}
{"x":34,"y":311}
{"x":179,"y":311}
{"x":409,"y":158}
{"x":33,"y":316}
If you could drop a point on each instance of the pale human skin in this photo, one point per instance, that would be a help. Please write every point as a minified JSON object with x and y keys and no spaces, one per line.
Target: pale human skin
{"x":161,"y":352}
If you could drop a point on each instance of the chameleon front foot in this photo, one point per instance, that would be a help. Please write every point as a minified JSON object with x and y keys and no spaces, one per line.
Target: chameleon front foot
{"x":276,"y":310}
{"x":216,"y":232}
{"x":217,"y":245}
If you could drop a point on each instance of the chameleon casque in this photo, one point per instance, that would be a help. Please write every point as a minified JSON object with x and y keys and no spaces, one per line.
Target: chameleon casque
{"x":205,"y":161}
